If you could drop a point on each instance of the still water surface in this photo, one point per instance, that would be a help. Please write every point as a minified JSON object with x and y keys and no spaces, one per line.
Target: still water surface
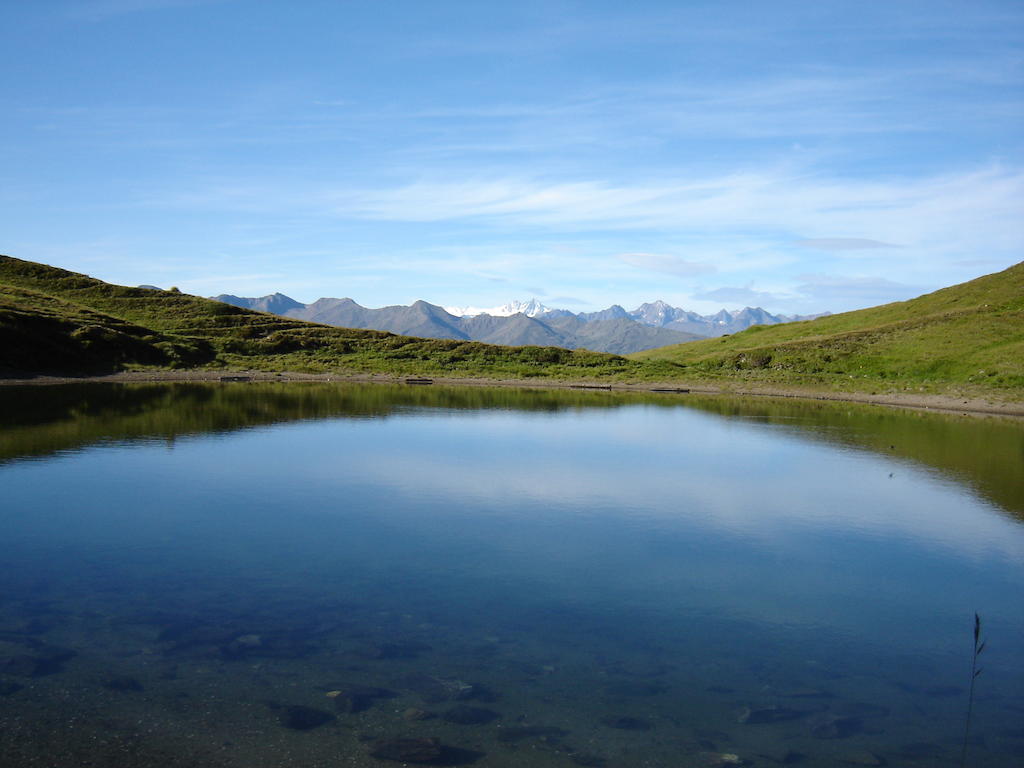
{"x":189,"y":574}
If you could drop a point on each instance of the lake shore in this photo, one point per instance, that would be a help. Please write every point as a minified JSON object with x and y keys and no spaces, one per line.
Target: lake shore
{"x":967,"y":405}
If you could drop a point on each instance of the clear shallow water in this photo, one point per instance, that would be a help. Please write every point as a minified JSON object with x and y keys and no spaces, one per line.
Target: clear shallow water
{"x":617,"y":580}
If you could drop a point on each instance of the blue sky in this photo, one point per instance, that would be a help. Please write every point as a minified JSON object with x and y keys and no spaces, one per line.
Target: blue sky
{"x":794,"y":155}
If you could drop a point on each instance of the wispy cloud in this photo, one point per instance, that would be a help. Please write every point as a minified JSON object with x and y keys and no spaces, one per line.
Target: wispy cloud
{"x":733,"y":295}
{"x":864,"y":291}
{"x":844,"y":244}
{"x":672,"y":265}
{"x":567,"y":301}
{"x":762,"y":228}
{"x":826,"y":104}
{"x":522,"y":199}
{"x":954,"y":212}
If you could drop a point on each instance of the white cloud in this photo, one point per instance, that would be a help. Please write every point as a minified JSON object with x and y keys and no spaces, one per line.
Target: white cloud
{"x":515,"y":199}
{"x":765,"y":225}
{"x":671,"y":265}
{"x":953,"y":213}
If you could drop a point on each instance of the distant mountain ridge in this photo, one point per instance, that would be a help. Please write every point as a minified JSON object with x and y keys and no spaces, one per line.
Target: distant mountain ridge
{"x":521,"y":323}
{"x":531,"y":308}
{"x":275,"y":303}
{"x":619,"y":335}
{"x":662,"y":315}
{"x":657,"y":314}
{"x":965,"y":342}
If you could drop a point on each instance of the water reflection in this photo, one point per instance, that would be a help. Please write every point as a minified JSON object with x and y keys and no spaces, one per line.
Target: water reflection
{"x":189,"y":571}
{"x":986,"y":454}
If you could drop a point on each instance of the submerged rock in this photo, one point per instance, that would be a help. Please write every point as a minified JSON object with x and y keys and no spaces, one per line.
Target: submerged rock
{"x":281,"y":645}
{"x":829,"y":726}
{"x":464,"y":715}
{"x":480,"y":692}
{"x":437,"y":689}
{"x":521,"y":732}
{"x":628,"y":723}
{"x":359,"y":698}
{"x":407,"y":750}
{"x":122,"y":683}
{"x":241,"y":647}
{"x":768,"y":715}
{"x":394,"y":650}
{"x":302,"y":718}
{"x":413,"y":714}
{"x":719,"y":760}
{"x":234,"y":641}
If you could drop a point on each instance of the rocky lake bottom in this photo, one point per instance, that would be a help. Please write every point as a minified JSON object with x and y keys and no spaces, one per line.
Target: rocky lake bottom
{"x":90,"y":681}
{"x":442,"y":585}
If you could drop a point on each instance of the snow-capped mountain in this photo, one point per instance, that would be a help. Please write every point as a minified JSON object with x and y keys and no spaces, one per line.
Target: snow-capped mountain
{"x":662,"y":315}
{"x":531,"y":308}
{"x":656,"y":314}
{"x":614,"y":329}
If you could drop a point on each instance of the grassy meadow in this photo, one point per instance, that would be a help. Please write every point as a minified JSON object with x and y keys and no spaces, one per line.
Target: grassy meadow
{"x":56,"y":321}
{"x":969,"y":337}
{"x":964,"y":340}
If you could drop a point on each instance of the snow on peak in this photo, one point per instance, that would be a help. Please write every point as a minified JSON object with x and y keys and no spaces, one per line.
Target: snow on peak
{"x":530,"y":308}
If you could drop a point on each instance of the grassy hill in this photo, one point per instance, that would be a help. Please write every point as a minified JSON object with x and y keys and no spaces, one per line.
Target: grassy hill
{"x":967,"y":339}
{"x":55,"y":321}
{"x":968,"y":336}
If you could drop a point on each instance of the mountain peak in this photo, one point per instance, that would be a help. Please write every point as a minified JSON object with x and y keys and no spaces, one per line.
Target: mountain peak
{"x":525,"y":322}
{"x":275,"y":303}
{"x":530,"y":308}
{"x":655,"y":313}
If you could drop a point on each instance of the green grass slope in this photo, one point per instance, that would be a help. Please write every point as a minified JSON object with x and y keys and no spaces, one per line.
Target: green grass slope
{"x":968,"y":337}
{"x":56,"y":321}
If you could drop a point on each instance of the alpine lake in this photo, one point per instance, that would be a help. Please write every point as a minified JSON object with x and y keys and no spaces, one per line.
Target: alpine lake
{"x":255,"y":575}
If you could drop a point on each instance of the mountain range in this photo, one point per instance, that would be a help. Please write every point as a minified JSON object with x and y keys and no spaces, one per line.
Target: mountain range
{"x":965,"y":341}
{"x":611,"y":330}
